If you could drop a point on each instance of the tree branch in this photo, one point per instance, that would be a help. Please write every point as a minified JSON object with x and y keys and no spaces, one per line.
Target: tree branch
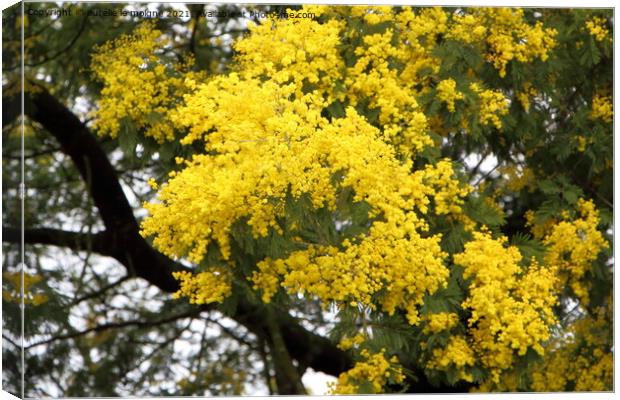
{"x":288,"y":379}
{"x":57,"y":237}
{"x":123,"y":241}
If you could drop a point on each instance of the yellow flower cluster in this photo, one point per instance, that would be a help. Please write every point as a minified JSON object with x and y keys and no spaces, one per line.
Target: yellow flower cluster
{"x":493,"y":104}
{"x":373,"y":15}
{"x":458,"y":353}
{"x":581,"y":360}
{"x":298,"y":51}
{"x":373,"y":79}
{"x":511,"y":308}
{"x":467,"y":28}
{"x":581,"y":143}
{"x":267,"y":142}
{"x":417,"y":40}
{"x":370,"y":375}
{"x":597,"y":28}
{"x":392,"y":265}
{"x":138,"y":85}
{"x":505,"y":33}
{"x":510,"y":37}
{"x":438,"y":322}
{"x":539,"y":230}
{"x":573,"y":246}
{"x":446,"y":92}
{"x":582,"y":372}
{"x":152,"y":183}
{"x":308,"y":55}
{"x":602,"y":108}
{"x":266,"y":146}
{"x":347,"y":343}
{"x":525,"y":95}
{"x":383,"y":264}
{"x":204,"y":287}
{"x":448,"y":192}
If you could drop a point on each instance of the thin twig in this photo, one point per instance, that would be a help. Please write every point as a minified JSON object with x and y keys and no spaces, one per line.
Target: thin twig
{"x":100,"y":291}
{"x":485,"y":176}
{"x":116,"y":325}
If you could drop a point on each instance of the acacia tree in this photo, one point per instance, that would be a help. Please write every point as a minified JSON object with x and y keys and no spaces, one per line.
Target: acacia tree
{"x":437,"y":180}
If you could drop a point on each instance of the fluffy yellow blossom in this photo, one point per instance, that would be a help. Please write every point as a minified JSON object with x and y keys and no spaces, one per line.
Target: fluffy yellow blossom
{"x":467,"y":28}
{"x":420,"y":30}
{"x":446,"y":92}
{"x":552,"y":379}
{"x":580,"y":360}
{"x":137,"y":84}
{"x":511,"y":38}
{"x":307,"y":55}
{"x":505,"y":33}
{"x":267,"y":143}
{"x":347,"y":343}
{"x":573,"y":246}
{"x":204,"y":287}
{"x":371,"y":79}
{"x":602,"y":108}
{"x":373,"y":15}
{"x":526,"y":95}
{"x":581,"y":143}
{"x":392,"y":265}
{"x":597,"y":28}
{"x":369,"y":376}
{"x":511,"y":308}
{"x":300,"y":51}
{"x":440,"y":322}
{"x":265,"y":150}
{"x":449,"y":194}
{"x":153,"y":184}
{"x":268,"y":146}
{"x":541,"y":228}
{"x":598,"y":375}
{"x":493,"y":104}
{"x":458,"y":353}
